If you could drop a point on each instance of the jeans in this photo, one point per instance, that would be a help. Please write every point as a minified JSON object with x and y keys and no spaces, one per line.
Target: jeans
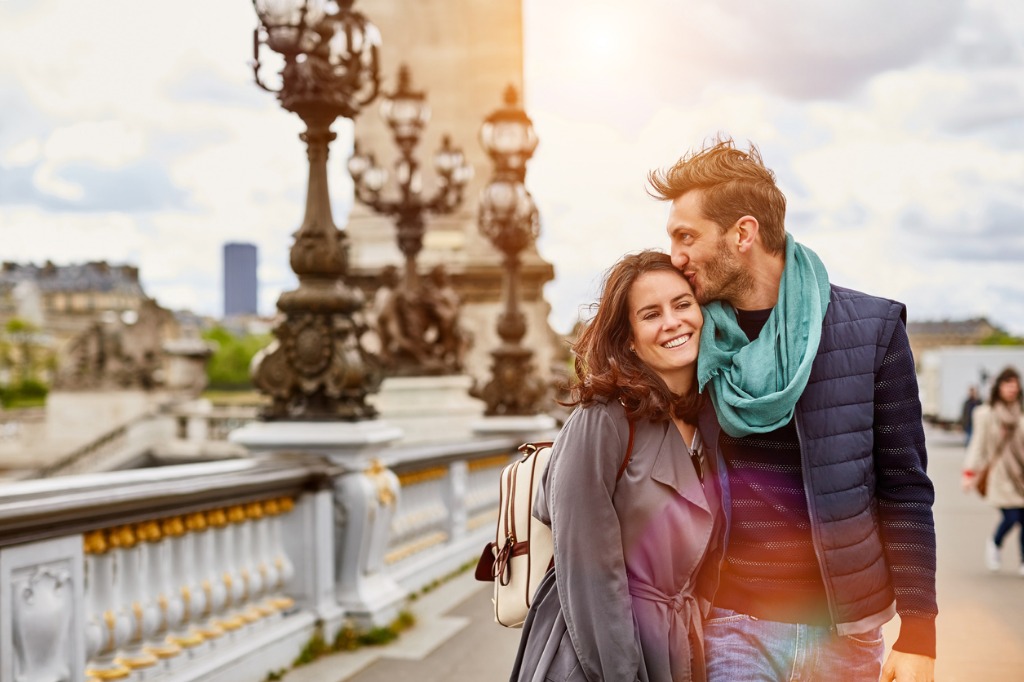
{"x":741,"y":648}
{"x":1011,"y":517}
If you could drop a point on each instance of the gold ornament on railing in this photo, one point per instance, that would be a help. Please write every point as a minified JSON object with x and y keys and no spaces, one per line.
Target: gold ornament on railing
{"x":378,"y":475}
{"x":196,"y":522}
{"x":121,"y":537}
{"x":173,"y":527}
{"x":216,"y":518}
{"x":95,"y":542}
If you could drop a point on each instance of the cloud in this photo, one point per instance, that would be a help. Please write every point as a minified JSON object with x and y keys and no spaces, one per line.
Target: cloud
{"x":204,"y":86}
{"x":807,"y":49}
{"x":136,"y":134}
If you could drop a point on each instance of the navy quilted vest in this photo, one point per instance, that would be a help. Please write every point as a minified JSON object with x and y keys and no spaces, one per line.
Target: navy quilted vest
{"x":834,"y":419}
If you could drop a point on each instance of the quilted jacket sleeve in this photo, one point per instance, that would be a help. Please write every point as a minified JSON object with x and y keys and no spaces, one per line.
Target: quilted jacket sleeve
{"x":905,"y":496}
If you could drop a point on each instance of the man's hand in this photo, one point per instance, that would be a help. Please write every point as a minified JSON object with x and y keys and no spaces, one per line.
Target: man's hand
{"x":903,"y":667}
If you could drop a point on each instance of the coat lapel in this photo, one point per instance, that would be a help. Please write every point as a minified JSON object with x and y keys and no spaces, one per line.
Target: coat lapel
{"x":674,"y":468}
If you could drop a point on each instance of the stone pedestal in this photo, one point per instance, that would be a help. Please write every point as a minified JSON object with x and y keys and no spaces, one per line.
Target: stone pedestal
{"x":430,"y":408}
{"x":349,"y":525}
{"x":348,"y":442}
{"x":535,"y":427}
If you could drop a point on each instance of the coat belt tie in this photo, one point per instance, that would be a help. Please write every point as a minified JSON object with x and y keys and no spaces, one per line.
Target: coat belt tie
{"x":688,"y":609}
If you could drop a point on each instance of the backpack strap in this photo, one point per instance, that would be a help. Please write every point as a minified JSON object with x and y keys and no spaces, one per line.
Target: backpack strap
{"x":629,"y":451}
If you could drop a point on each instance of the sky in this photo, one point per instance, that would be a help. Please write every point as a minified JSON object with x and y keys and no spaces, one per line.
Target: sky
{"x":133,"y":132}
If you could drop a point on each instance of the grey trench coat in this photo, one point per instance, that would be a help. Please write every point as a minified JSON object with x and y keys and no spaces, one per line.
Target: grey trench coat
{"x":636,"y":560}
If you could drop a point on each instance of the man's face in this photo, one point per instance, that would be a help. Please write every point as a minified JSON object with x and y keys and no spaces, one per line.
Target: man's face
{"x":705,"y":254}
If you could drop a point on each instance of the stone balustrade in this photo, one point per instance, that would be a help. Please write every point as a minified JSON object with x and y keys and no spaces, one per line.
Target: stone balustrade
{"x":222,"y":571}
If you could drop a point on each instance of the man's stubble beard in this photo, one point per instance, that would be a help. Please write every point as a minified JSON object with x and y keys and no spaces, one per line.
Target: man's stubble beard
{"x":724,"y":278}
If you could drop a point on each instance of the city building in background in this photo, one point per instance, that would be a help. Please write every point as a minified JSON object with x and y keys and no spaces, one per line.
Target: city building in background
{"x":928,"y":334}
{"x":241,"y":287}
{"x":67,"y":299}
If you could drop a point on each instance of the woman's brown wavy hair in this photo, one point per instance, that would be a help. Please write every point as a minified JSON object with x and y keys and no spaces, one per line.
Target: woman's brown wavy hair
{"x":1006,"y":375}
{"x":606,"y":368}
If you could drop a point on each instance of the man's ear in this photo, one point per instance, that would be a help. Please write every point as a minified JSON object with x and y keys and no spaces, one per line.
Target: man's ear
{"x":746,"y":233}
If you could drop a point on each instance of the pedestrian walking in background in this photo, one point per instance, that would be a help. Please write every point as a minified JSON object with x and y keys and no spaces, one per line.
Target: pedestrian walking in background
{"x":995,"y":461}
{"x":967,"y":415}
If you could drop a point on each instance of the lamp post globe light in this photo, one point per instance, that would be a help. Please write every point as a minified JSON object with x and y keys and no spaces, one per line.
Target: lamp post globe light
{"x":509,"y":218}
{"x":417,"y":328}
{"x":316,"y":368}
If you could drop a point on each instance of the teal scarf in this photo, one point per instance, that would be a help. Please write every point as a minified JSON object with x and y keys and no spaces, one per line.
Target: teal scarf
{"x":755,"y":384}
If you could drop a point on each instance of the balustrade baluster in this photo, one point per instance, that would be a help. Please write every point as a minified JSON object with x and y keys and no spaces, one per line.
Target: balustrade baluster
{"x":285,"y":570}
{"x":236,"y":551}
{"x":264,"y":552}
{"x":141,"y":611}
{"x":108,"y":627}
{"x":185,"y":585}
{"x":222,"y":550}
{"x":156,"y":566}
{"x":211,"y":585}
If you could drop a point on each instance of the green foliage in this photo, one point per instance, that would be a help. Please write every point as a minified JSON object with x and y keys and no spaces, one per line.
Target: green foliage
{"x":274,"y":675}
{"x":26,"y":357}
{"x":228,"y":367}
{"x":350,"y":639}
{"x":314,"y":649}
{"x":1002,"y":338}
{"x":24,"y":393}
{"x":16,"y":325}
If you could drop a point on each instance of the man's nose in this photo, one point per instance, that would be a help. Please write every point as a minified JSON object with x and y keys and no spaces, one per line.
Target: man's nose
{"x":679,"y":259}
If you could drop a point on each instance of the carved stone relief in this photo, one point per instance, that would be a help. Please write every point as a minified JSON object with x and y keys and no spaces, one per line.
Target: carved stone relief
{"x":42,"y":603}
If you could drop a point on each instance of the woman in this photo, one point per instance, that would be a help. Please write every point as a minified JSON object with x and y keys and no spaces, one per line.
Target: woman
{"x":636,"y":556}
{"x":998,"y":445}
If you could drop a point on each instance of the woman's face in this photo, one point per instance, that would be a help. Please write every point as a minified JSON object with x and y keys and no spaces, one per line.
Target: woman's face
{"x":666,"y":322}
{"x":1009,"y":390}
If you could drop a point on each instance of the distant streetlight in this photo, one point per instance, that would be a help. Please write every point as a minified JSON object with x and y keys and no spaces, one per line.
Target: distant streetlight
{"x":509,"y":218}
{"x":316,"y":367}
{"x":407,"y":113}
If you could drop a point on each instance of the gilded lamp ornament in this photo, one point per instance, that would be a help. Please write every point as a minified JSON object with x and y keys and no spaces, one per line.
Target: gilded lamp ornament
{"x":317,"y":368}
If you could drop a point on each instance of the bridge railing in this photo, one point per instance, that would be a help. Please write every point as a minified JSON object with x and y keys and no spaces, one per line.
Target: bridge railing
{"x":224,"y":570}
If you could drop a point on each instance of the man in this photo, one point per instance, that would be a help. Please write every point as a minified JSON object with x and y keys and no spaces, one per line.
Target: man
{"x":831,"y":528}
{"x":967,"y":413}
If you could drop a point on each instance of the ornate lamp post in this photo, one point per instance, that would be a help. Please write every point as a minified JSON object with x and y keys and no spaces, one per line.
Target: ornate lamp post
{"x":316,"y":367}
{"x":415,"y":342}
{"x":509,"y":218}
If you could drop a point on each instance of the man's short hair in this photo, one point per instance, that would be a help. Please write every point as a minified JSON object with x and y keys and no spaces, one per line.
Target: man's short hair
{"x":734,"y":183}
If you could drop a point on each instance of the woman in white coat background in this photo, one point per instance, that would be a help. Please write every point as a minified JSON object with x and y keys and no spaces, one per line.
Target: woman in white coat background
{"x":636,"y":556}
{"x":995,"y":454}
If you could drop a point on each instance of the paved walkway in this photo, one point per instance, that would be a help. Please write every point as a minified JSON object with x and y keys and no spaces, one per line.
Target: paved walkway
{"x":980,"y":627}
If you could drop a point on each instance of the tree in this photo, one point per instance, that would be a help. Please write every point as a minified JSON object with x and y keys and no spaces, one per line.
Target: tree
{"x":228,"y":367}
{"x":1002,"y":338}
{"x":24,"y":356}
